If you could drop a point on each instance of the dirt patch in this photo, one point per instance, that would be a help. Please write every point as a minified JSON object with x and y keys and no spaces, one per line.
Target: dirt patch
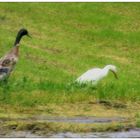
{"x":46,"y":49}
{"x":110,"y":104}
{"x":53,"y":50}
{"x":122,"y":60}
{"x":49,"y":63}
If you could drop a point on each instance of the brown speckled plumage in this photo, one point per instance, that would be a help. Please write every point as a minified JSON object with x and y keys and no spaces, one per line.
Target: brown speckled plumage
{"x":8,"y":62}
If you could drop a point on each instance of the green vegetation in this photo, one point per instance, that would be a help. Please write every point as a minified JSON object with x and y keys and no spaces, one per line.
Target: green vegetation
{"x":68,"y":39}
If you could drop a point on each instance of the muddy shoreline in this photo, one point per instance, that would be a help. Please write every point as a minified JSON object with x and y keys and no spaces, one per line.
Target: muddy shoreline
{"x":70,"y":120}
{"x":46,"y":126}
{"x":133,"y":133}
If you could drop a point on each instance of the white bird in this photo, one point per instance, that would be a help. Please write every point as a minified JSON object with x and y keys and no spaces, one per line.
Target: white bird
{"x":96,"y":74}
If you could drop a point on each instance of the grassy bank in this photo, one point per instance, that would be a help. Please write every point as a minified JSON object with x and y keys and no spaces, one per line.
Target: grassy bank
{"x":67,"y":39}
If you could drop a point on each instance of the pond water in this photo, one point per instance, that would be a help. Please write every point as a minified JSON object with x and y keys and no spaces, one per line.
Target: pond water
{"x":133,"y":133}
{"x":81,"y":119}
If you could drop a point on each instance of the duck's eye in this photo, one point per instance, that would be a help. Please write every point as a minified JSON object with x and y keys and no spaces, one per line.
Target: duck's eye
{"x":6,"y":62}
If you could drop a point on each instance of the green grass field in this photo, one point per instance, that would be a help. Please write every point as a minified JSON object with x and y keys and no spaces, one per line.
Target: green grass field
{"x":68,"y":39}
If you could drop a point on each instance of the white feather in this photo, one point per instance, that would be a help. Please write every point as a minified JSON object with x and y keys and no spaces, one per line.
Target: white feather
{"x":96,"y":74}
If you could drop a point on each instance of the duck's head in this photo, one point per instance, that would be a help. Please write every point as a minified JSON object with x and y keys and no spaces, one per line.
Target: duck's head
{"x":23,"y":32}
{"x":113,"y":69}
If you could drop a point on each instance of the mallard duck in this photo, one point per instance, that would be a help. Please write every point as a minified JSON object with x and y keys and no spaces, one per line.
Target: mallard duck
{"x":96,"y":74}
{"x":8,"y":62}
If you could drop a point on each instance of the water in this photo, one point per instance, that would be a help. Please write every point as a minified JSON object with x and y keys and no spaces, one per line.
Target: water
{"x":81,"y":119}
{"x":134,"y":133}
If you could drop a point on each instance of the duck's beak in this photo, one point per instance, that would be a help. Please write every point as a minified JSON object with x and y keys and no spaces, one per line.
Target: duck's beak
{"x":115,"y":74}
{"x":29,"y":35}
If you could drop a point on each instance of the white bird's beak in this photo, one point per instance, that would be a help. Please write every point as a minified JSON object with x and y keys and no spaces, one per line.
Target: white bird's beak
{"x":115,"y":74}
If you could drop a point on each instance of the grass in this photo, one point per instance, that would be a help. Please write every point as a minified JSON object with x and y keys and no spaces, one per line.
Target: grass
{"x":68,"y":39}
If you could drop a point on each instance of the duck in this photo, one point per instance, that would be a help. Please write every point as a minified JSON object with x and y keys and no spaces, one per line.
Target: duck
{"x":9,"y":60}
{"x":94,"y":75}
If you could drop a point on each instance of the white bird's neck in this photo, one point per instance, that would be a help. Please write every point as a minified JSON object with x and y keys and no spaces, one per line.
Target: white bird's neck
{"x":106,"y":70}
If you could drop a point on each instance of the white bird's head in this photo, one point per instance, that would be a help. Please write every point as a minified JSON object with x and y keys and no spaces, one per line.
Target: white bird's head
{"x":113,"y":69}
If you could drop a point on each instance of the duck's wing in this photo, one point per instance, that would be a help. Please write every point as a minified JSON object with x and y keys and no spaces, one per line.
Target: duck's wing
{"x":8,"y":60}
{"x":7,"y":64}
{"x":4,"y":65}
{"x":2,"y":59}
{"x":4,"y":70}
